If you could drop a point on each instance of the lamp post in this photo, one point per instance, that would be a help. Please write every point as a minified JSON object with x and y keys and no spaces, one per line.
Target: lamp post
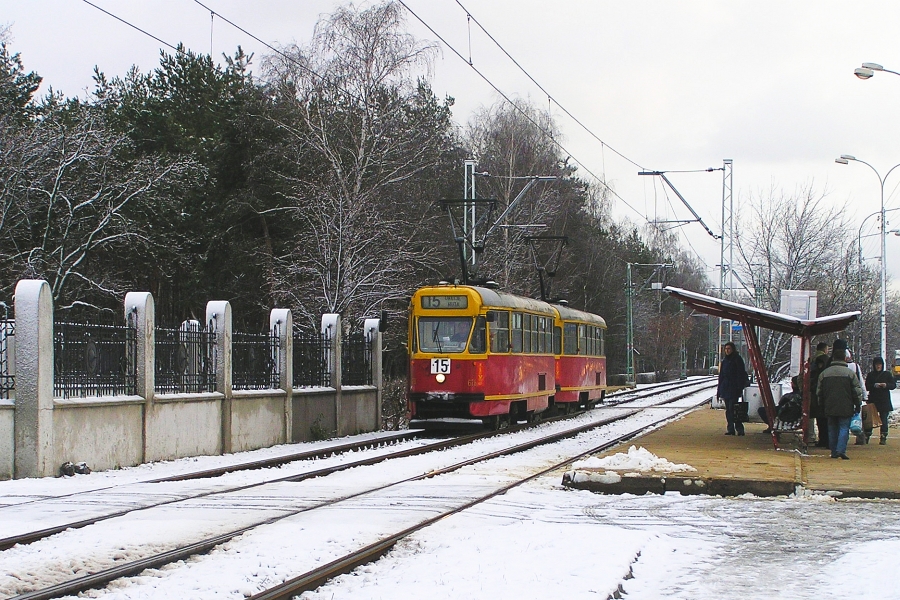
{"x":867,"y":70}
{"x":843,"y":160}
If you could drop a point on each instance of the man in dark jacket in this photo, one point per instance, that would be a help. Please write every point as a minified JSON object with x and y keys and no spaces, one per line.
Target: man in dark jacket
{"x":732,"y":381}
{"x":840,"y":396}
{"x":817,"y":364}
{"x":879,"y":383}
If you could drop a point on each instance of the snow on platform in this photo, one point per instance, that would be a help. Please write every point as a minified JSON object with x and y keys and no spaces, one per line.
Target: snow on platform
{"x":693,"y":456}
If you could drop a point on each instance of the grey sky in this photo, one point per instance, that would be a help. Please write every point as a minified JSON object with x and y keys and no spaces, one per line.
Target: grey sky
{"x":671,"y":85}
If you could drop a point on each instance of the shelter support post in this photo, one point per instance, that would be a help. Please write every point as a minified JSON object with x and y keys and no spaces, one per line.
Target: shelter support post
{"x":762,"y":378}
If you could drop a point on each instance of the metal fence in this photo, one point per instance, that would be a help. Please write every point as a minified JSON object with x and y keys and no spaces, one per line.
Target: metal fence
{"x":186,"y":358}
{"x":356,"y":359}
{"x":255,"y":360}
{"x":7,"y":358}
{"x":310,"y":360}
{"x":94,"y":360}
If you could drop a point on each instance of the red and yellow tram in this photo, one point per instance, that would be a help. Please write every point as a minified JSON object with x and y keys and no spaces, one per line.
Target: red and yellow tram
{"x":581,"y":365}
{"x":480,"y":353}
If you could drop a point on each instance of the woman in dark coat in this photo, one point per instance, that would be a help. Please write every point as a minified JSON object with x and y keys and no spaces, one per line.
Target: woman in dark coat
{"x":732,"y":381}
{"x":879,"y":384}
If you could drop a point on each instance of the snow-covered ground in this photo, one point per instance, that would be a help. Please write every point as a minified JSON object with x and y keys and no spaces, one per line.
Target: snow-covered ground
{"x":539,"y":540}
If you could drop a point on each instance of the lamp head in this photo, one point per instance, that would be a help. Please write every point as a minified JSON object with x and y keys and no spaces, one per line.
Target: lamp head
{"x":872,"y":66}
{"x":863,"y":73}
{"x":848,"y":157}
{"x":841,"y":161}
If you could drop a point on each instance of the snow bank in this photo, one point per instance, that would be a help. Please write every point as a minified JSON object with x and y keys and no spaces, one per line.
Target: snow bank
{"x":635,"y":460}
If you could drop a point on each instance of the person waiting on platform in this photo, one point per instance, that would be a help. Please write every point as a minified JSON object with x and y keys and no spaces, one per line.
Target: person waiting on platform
{"x":789,"y":409}
{"x":732,"y":381}
{"x":879,"y":383}
{"x":817,"y":364}
{"x":841,"y":396}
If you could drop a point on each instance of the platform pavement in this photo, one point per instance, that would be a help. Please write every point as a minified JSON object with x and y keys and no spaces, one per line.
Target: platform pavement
{"x":731,"y":465}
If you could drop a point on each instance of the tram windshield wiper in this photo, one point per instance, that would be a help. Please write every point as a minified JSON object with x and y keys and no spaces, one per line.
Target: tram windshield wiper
{"x":436,"y":338}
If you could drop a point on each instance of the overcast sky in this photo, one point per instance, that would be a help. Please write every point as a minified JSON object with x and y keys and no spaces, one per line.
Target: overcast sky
{"x":672,"y":85}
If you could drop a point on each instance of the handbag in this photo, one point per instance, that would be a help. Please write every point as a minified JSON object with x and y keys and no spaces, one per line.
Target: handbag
{"x":856,"y":426}
{"x":870,"y":417}
{"x":741,"y":412}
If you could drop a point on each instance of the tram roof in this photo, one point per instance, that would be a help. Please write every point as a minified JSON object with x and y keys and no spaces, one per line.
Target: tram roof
{"x":758,"y":317}
{"x":495,"y":298}
{"x":573,"y":314}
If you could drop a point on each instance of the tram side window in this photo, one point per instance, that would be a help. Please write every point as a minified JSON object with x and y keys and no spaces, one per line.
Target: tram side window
{"x":526,"y":331}
{"x":517,"y":332}
{"x":570,"y":338}
{"x":500,"y":331}
{"x":557,"y":340}
{"x":542,"y":335}
{"x":602,"y":342}
{"x":477,"y":345}
{"x":592,"y":341}
{"x":582,"y":339}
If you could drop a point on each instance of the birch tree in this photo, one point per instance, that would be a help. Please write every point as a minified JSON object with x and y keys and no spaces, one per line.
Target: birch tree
{"x":73,"y":198}
{"x":796,"y":241}
{"x":359,"y":126}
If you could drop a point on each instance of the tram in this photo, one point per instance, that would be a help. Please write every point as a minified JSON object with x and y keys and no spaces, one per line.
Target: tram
{"x":896,"y":366}
{"x":479,"y":353}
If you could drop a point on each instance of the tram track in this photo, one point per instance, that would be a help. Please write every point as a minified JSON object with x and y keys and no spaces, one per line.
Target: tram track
{"x":36,"y":535}
{"x":105,"y":576}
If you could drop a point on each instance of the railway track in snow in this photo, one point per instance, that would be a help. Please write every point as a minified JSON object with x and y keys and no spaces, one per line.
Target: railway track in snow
{"x":112,"y":501}
{"x":279,"y":506}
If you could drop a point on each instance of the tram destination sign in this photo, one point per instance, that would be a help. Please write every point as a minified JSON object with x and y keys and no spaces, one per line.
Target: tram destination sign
{"x":432,"y":302}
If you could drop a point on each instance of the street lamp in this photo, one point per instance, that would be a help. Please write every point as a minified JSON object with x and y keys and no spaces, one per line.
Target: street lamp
{"x":868,"y":69}
{"x":843,"y":160}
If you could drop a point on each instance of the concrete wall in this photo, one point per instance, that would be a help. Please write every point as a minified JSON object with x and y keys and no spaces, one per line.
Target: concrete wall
{"x":257,"y":420}
{"x":314,"y":415}
{"x":356,"y":410}
{"x":180,"y":425}
{"x":105,"y":435}
{"x":7,"y":439}
{"x":38,"y":432}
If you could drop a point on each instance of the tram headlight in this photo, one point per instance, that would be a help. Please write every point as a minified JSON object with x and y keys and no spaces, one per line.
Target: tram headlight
{"x":440,"y":377}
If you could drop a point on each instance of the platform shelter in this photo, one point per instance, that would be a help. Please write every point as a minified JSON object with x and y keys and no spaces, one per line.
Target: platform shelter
{"x":750,"y":317}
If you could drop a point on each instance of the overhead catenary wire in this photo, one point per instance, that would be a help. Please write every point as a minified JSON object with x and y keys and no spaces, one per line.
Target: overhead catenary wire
{"x":528,"y":117}
{"x":133,"y":26}
{"x":313,"y":73}
{"x":540,"y":87}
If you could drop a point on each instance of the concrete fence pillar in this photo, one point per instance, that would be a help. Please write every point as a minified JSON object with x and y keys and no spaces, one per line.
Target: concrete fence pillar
{"x":372,"y":331}
{"x":281,"y":324}
{"x":34,"y":380}
{"x":331,"y":325}
{"x":141,"y":307}
{"x":218,"y":315}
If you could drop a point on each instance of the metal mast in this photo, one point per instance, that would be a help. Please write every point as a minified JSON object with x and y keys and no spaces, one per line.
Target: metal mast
{"x":469,"y":209}
{"x":726,"y":276}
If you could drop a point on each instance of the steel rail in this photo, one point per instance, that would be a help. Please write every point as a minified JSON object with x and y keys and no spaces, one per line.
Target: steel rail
{"x":316,"y":577}
{"x":34,"y":536}
{"x":105,"y":576}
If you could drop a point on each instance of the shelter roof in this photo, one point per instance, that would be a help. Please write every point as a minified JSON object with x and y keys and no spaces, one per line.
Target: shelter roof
{"x":758,"y":317}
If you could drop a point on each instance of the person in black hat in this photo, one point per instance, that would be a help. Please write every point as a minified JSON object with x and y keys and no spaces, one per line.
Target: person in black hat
{"x":817,"y":364}
{"x":840,"y":395}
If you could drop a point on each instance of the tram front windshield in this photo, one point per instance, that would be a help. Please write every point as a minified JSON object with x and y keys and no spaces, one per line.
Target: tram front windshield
{"x":444,"y":334}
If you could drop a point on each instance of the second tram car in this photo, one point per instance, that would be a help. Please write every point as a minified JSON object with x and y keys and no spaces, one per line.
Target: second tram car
{"x":896,"y":366}
{"x":581,"y":364}
{"x":478,"y":353}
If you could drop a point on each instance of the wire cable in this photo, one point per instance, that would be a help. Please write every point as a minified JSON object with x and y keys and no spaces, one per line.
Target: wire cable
{"x":517,"y":108}
{"x":540,"y":87}
{"x":164,"y":43}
